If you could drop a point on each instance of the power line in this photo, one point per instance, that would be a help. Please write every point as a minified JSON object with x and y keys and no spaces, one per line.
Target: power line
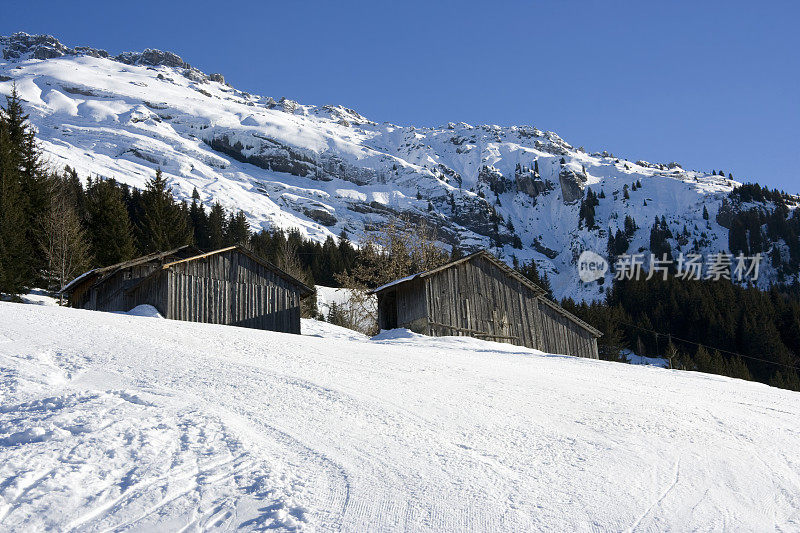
{"x":670,"y":336}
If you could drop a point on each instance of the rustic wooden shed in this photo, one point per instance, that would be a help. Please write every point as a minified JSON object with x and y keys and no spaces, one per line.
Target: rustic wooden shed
{"x":480,"y":296}
{"x":229,"y":286}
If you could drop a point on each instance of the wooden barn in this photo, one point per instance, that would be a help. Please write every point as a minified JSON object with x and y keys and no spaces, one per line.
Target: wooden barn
{"x":228,"y":286}
{"x":480,"y":296}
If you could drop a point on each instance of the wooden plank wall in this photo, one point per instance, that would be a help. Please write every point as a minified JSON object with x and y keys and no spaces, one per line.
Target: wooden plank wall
{"x":110,"y":294}
{"x":152,"y":291}
{"x":478,"y":299}
{"x":563,"y":336}
{"x":412,"y":305}
{"x":230,"y":288}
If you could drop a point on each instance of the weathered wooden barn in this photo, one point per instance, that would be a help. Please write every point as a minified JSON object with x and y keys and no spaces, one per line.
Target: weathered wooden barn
{"x":480,"y":296}
{"x":229,"y":286}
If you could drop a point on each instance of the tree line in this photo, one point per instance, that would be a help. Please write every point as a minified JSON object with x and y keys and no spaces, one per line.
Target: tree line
{"x":53,"y":227}
{"x":710,"y":326}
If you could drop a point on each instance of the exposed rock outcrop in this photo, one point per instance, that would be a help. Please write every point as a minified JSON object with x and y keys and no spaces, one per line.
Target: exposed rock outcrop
{"x":528,"y":181}
{"x":498,"y":183}
{"x":572,"y":184}
{"x":321,"y":216}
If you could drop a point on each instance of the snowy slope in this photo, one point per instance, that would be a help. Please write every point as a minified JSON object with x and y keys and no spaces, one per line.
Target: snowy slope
{"x":330,"y":295}
{"x":325,"y":169}
{"x":120,"y":422}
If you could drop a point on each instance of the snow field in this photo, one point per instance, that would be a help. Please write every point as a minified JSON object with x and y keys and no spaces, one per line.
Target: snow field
{"x":115,"y":422}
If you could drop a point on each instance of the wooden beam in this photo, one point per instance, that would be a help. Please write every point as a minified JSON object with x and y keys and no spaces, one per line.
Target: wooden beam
{"x":473,"y":331}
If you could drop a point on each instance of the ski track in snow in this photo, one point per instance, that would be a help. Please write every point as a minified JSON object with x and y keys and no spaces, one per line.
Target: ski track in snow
{"x":125,"y":423}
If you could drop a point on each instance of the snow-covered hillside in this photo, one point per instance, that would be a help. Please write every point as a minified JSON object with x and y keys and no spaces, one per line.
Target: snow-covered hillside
{"x":115,"y":422}
{"x":325,"y":169}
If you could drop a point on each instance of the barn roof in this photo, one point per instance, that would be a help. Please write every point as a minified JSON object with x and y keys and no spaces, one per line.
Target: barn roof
{"x":505,"y":268}
{"x":481,"y":253}
{"x":566,"y":314}
{"x":183,"y":254}
{"x":108,"y":270}
{"x":304,"y":289}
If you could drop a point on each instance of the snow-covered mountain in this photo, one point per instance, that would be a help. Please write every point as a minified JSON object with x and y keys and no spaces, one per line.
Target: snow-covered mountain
{"x":124,"y":423}
{"x":324,"y":169}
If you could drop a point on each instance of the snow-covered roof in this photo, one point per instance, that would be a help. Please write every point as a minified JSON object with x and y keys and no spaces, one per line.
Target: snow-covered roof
{"x":77,"y":280}
{"x":396,"y":282}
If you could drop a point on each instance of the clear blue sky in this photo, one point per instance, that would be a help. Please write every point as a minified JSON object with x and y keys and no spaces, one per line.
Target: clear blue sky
{"x":713,"y":85}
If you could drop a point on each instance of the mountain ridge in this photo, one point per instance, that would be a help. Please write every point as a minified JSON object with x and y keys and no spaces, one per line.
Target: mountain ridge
{"x":519,"y":190}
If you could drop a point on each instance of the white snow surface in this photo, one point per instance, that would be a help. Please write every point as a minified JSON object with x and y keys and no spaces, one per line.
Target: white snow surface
{"x":330,"y":295}
{"x":145,"y":310}
{"x":635,"y":359}
{"x":39,"y":297}
{"x":117,"y":422}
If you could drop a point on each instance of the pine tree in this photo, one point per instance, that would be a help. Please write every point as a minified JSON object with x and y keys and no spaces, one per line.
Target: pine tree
{"x":37,"y":188}
{"x":659,"y":245}
{"x":110,"y":230}
{"x":199,"y":220}
{"x":611,"y":345}
{"x":737,"y":237}
{"x":217,"y":227}
{"x":346,"y":252}
{"x":705,"y":213}
{"x":16,"y":252}
{"x":238,"y":230}
{"x":630,"y":226}
{"x":586,"y":212}
{"x":531,"y":271}
{"x":34,"y":182}
{"x":164,"y":223}
{"x":73,"y":188}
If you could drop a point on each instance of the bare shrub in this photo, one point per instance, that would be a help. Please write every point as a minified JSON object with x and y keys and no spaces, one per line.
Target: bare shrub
{"x":397,"y":249}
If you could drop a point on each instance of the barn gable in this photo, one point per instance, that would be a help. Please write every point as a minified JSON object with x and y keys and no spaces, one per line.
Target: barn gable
{"x":481,"y":296}
{"x":105,"y":288}
{"x":233,"y":286}
{"x":228,"y":286}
